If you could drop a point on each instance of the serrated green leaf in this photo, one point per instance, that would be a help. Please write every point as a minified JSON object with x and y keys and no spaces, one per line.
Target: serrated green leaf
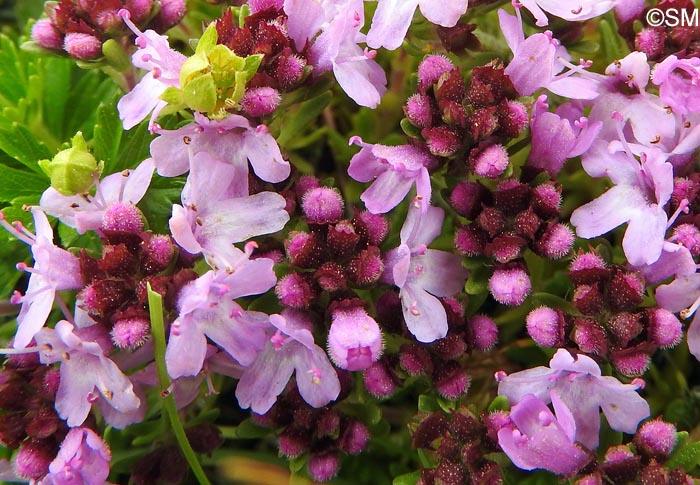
{"x":407,"y":479}
{"x":20,"y":183}
{"x":12,"y":87}
{"x":107,"y":136}
{"x":85,"y":96}
{"x":56,"y":83}
{"x":308,"y":111}
{"x":19,"y":143}
{"x":135,"y":146}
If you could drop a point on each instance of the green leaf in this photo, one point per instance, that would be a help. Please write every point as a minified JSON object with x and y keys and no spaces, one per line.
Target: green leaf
{"x":135,"y":146}
{"x":407,"y":479}
{"x":249,"y":430}
{"x":427,"y":404}
{"x":19,"y":143}
{"x":107,"y":136}
{"x":299,"y":120}
{"x":478,"y":281}
{"x":252,"y":63}
{"x":56,"y":88}
{"x":199,"y":93}
{"x":409,"y":128}
{"x":20,"y":183}
{"x":499,"y":403}
{"x":12,"y":87}
{"x":686,"y":454}
{"x":208,"y":39}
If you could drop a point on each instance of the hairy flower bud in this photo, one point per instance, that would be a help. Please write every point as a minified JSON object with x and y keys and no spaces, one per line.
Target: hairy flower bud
{"x":354,"y":339}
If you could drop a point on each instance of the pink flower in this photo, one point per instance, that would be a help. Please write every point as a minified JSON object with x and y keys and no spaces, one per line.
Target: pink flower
{"x":568,"y":10}
{"x":289,"y":348}
{"x":354,"y":339}
{"x":83,"y":458}
{"x":55,"y":269}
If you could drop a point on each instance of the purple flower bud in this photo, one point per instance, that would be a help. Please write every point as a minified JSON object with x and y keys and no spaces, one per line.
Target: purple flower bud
{"x":626,"y":290}
{"x":527,"y":223}
{"x":431,"y":68}
{"x":449,"y":473}
{"x":592,"y":479}
{"x":656,"y":439}
{"x":470,"y":241}
{"x":290,"y":70}
{"x":123,"y":217}
{"x":82,"y":46}
{"x":442,"y":140}
{"x":294,"y":291}
{"x":34,"y":456}
{"x":467,"y":197}
{"x":688,"y":235}
{"x":372,"y":228}
{"x":46,"y":35}
{"x":130,"y":333}
{"x":482,"y":332}
{"x":587,"y":261}
{"x":293,"y":442}
{"x":489,"y":162}
{"x":139,"y":9}
{"x":588,"y":299}
{"x":452,"y":346}
{"x":512,"y":118}
{"x":303,"y":249}
{"x":623,"y":327}
{"x":590,"y":336}
{"x":323,"y":466}
{"x":415,"y":360}
{"x":367,"y":267}
{"x":354,"y":438}
{"x":330,"y":277}
{"x":665,"y":330}
{"x":509,"y":286}
{"x":483,"y":122}
{"x":342,"y":238}
{"x":354,"y":339}
{"x":651,"y":42}
{"x":512,"y":197}
{"x":505,"y":248}
{"x":158,"y":251}
{"x":169,"y":15}
{"x":451,"y":380}
{"x":546,"y":200}
{"x":420,"y":111}
{"x":322,"y":205}
{"x":304,"y":184}
{"x":260,"y":5}
{"x":494,"y":422}
{"x":492,"y":221}
{"x":260,"y":101}
{"x":109,"y":21}
{"x":631,"y":362}
{"x":379,"y":380}
{"x":327,"y":424}
{"x":556,"y":242}
{"x":620,"y":464}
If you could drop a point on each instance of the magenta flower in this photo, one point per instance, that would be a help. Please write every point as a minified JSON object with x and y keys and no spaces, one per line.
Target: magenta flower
{"x":163,"y":63}
{"x":83,"y":458}
{"x":354,"y":339}
{"x":424,"y":274}
{"x":572,"y":11}
{"x":88,"y":376}
{"x":393,"y":18}
{"x":538,"y":439}
{"x":232,"y":140}
{"x":289,"y":348}
{"x":683,"y":295}
{"x":216,"y":213}
{"x":87,"y":212}
{"x":396,"y":169}
{"x":582,"y":388}
{"x":678,"y":83}
{"x":55,"y":269}
{"x":207,"y":309}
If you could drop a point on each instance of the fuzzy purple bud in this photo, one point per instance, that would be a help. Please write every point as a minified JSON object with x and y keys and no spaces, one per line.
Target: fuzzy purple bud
{"x":631,"y":363}
{"x":130,"y":333}
{"x":322,"y":205}
{"x":656,"y":438}
{"x":294,"y":291}
{"x":342,"y":238}
{"x":590,"y":336}
{"x":431,"y":68}
{"x":650,"y":41}
{"x":290,"y":71}
{"x":379,"y":381}
{"x":169,"y":15}
{"x":510,"y":286}
{"x":46,"y":35}
{"x":293,"y":443}
{"x":466,"y":198}
{"x":442,"y":140}
{"x":139,"y":9}
{"x":81,"y":46}
{"x":482,"y":332}
{"x":415,"y":360}
{"x":354,"y":439}
{"x":665,"y":330}
{"x":123,"y":217}
{"x":470,"y":241}
{"x":546,"y":200}
{"x":354,"y":339}
{"x":490,"y":162}
{"x":513,"y":120}
{"x":371,"y":227}
{"x":323,"y":466}
{"x":33,"y":459}
{"x":367,"y":267}
{"x":158,"y":251}
{"x":451,"y":380}
{"x":420,"y":111}
{"x":260,"y":101}
{"x":556,"y":242}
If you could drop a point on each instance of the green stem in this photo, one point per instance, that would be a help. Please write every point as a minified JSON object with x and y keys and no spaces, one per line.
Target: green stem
{"x":155,"y":304}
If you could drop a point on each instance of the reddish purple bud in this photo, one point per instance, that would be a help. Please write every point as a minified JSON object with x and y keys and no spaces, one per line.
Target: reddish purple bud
{"x":458,"y":37}
{"x":449,"y":473}
{"x":33,"y":459}
{"x":420,"y":111}
{"x":494,"y":422}
{"x":81,"y":46}
{"x":654,"y":473}
{"x":483,"y":122}
{"x":330,"y":277}
{"x":512,"y":118}
{"x":588,"y":299}
{"x":588,"y":268}
{"x":373,"y":228}
{"x":546,"y":200}
{"x":290,"y":71}
{"x":623,"y":327}
{"x":304,"y":184}
{"x":295,"y":291}
{"x":482,"y":332}
{"x":546,"y":326}
{"x":556,"y":242}
{"x":324,"y":466}
{"x":626,"y":290}
{"x":527,"y":223}
{"x":450,"y":87}
{"x":41,"y":420}
{"x":367,"y":267}
{"x":505,"y":248}
{"x":123,"y":217}
{"x":512,"y":197}
{"x":260,"y":101}
{"x":354,"y":339}
{"x":303,"y":249}
{"x":104,"y":297}
{"x":260,"y":5}
{"x":131,"y":333}
{"x":204,"y":437}
{"x":109,"y":21}
{"x":656,"y":439}
{"x":620,"y":464}
{"x":467,"y":197}
{"x":451,"y":380}
{"x":590,"y":336}
{"x":470,"y":241}
{"x":293,"y":442}
{"x":158,"y":250}
{"x":170,"y":14}
{"x":492,"y":221}
{"x":510,"y":286}
{"x":139,"y":9}
{"x":354,"y":438}
{"x":379,"y":380}
{"x":452,"y":346}
{"x":415,"y":360}
{"x":489,"y":162}
{"x":327,"y":424}
{"x":46,"y":35}
{"x":592,"y":479}
{"x":117,"y":260}
{"x":342,"y":238}
{"x":664,"y":329}
{"x":631,"y":362}
{"x":431,"y":68}
{"x":322,"y":205}
{"x":650,"y":41}
{"x":687,"y":235}
{"x":389,"y":312}
{"x":454,"y":114}
{"x":442,"y":140}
